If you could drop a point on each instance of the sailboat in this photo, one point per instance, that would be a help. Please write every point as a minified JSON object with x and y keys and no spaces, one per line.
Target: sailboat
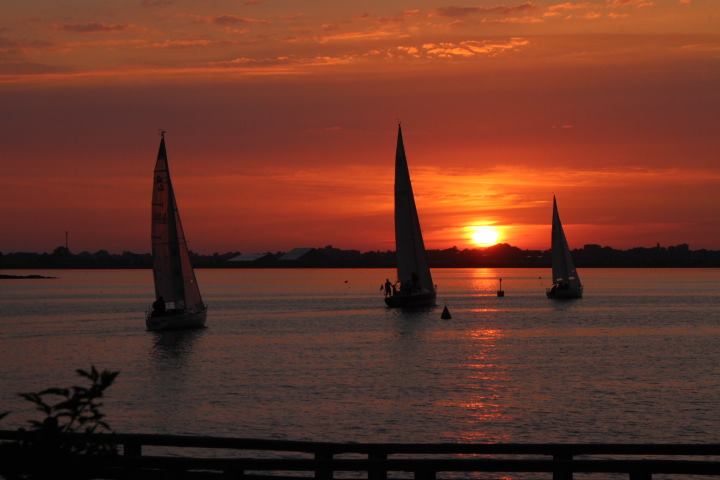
{"x":566,"y":281}
{"x":413,"y":274}
{"x":178,"y":303}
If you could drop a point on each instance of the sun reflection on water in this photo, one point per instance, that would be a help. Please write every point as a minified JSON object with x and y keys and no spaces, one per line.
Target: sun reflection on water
{"x":481,"y":401}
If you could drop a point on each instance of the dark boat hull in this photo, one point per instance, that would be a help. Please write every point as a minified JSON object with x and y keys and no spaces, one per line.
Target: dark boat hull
{"x":426,"y":299}
{"x":564,"y":293}
{"x":176,"y":321}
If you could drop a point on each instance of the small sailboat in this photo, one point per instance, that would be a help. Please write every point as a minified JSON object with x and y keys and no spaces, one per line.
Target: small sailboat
{"x":178,"y":303}
{"x":413,"y":274}
{"x":566,"y":281}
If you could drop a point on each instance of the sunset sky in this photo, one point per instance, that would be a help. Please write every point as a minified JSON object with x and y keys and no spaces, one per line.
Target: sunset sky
{"x":282,"y":115}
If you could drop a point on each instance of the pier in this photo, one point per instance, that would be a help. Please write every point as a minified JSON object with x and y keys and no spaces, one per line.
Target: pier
{"x":201,"y":457}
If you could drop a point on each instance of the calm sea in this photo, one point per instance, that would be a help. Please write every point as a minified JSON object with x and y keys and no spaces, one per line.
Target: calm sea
{"x":313,"y":354}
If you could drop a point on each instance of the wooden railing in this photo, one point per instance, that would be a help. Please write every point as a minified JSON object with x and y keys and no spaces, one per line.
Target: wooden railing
{"x":377,"y":461}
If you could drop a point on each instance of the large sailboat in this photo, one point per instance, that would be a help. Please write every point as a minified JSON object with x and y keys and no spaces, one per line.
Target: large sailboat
{"x":178,"y":303}
{"x":566,"y":281}
{"x":413,"y":274}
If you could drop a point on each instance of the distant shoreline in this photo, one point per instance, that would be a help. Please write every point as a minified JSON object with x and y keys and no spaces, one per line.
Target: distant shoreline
{"x":497,"y":256}
{"x":336,"y":267}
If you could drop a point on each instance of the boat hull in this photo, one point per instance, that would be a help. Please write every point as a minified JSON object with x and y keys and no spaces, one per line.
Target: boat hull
{"x":176,"y":321}
{"x":564,"y":293}
{"x":418,"y":300}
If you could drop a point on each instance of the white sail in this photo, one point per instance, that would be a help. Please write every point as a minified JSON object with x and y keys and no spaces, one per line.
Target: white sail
{"x":563,"y":268}
{"x":174,"y":277}
{"x":411,"y":259}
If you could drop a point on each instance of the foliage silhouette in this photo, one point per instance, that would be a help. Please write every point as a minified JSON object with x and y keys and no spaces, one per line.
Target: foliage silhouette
{"x":47,"y":448}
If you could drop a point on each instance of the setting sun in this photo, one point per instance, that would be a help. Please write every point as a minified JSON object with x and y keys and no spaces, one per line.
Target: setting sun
{"x":484,"y":236}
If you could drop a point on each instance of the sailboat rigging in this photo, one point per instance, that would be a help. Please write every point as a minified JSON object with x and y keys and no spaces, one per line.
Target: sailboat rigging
{"x":413,"y":274}
{"x":566,"y":281}
{"x":178,"y":303}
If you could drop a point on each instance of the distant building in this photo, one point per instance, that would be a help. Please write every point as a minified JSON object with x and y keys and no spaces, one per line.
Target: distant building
{"x":249,"y":257}
{"x":295,"y":254}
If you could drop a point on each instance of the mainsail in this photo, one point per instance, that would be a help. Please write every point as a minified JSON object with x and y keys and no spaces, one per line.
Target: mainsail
{"x":409,"y":244}
{"x":172,"y":271}
{"x":563,"y":268}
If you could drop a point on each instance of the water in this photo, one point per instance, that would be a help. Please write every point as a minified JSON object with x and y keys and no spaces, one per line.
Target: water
{"x":313,"y":354}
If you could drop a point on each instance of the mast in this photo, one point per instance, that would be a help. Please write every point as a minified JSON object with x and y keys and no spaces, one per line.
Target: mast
{"x":410,"y":248}
{"x":563,"y":267}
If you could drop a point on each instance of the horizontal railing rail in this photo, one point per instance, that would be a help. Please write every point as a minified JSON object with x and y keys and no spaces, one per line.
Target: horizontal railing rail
{"x":421,"y":459}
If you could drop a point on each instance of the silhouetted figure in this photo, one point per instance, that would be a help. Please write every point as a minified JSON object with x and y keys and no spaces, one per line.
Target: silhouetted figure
{"x":446,"y":314}
{"x":415,"y":285}
{"x":159,"y":306}
{"x":389,"y":288}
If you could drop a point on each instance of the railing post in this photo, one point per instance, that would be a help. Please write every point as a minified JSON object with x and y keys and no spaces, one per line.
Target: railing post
{"x":562,"y":472}
{"x":132,"y":449}
{"x":323,"y":472}
{"x":424,"y":475}
{"x":233,"y":473}
{"x":640,"y":476}
{"x":377,"y":472}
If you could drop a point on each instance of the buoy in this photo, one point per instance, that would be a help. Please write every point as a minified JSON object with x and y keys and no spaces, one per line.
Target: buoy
{"x":501,"y":292}
{"x":446,"y":314}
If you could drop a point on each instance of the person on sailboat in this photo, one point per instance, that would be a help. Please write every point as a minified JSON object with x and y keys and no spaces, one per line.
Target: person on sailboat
{"x":389,"y":287}
{"x":159,"y":306}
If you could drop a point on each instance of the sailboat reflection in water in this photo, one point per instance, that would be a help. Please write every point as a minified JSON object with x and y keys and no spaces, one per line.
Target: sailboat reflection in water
{"x":416,"y":285}
{"x":178,"y":303}
{"x":566,"y":281}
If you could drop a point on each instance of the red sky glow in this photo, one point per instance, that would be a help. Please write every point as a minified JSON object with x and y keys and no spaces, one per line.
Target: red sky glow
{"x":281,"y":120}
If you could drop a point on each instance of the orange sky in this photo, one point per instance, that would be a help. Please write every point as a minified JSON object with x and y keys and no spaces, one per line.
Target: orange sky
{"x":281,"y":118}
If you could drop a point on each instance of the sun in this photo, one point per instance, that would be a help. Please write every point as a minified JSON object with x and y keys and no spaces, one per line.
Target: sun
{"x":484,"y":236}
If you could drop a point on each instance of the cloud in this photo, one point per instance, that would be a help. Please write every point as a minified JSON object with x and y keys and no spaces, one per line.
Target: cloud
{"x":471,"y":48}
{"x":367,"y":35}
{"x":630,"y":3}
{"x":524,"y":20}
{"x":186,"y":43}
{"x":455,"y":12}
{"x":283,"y":61}
{"x":92,"y":27}
{"x":412,"y":51}
{"x":231,"y":20}
{"x":565,"y":6}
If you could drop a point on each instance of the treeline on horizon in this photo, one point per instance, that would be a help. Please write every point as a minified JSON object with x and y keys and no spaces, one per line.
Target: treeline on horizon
{"x":501,"y":255}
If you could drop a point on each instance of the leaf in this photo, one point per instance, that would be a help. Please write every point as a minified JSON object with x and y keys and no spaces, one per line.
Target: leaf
{"x":107,"y":378}
{"x":63,"y":392}
{"x":31,"y":397}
